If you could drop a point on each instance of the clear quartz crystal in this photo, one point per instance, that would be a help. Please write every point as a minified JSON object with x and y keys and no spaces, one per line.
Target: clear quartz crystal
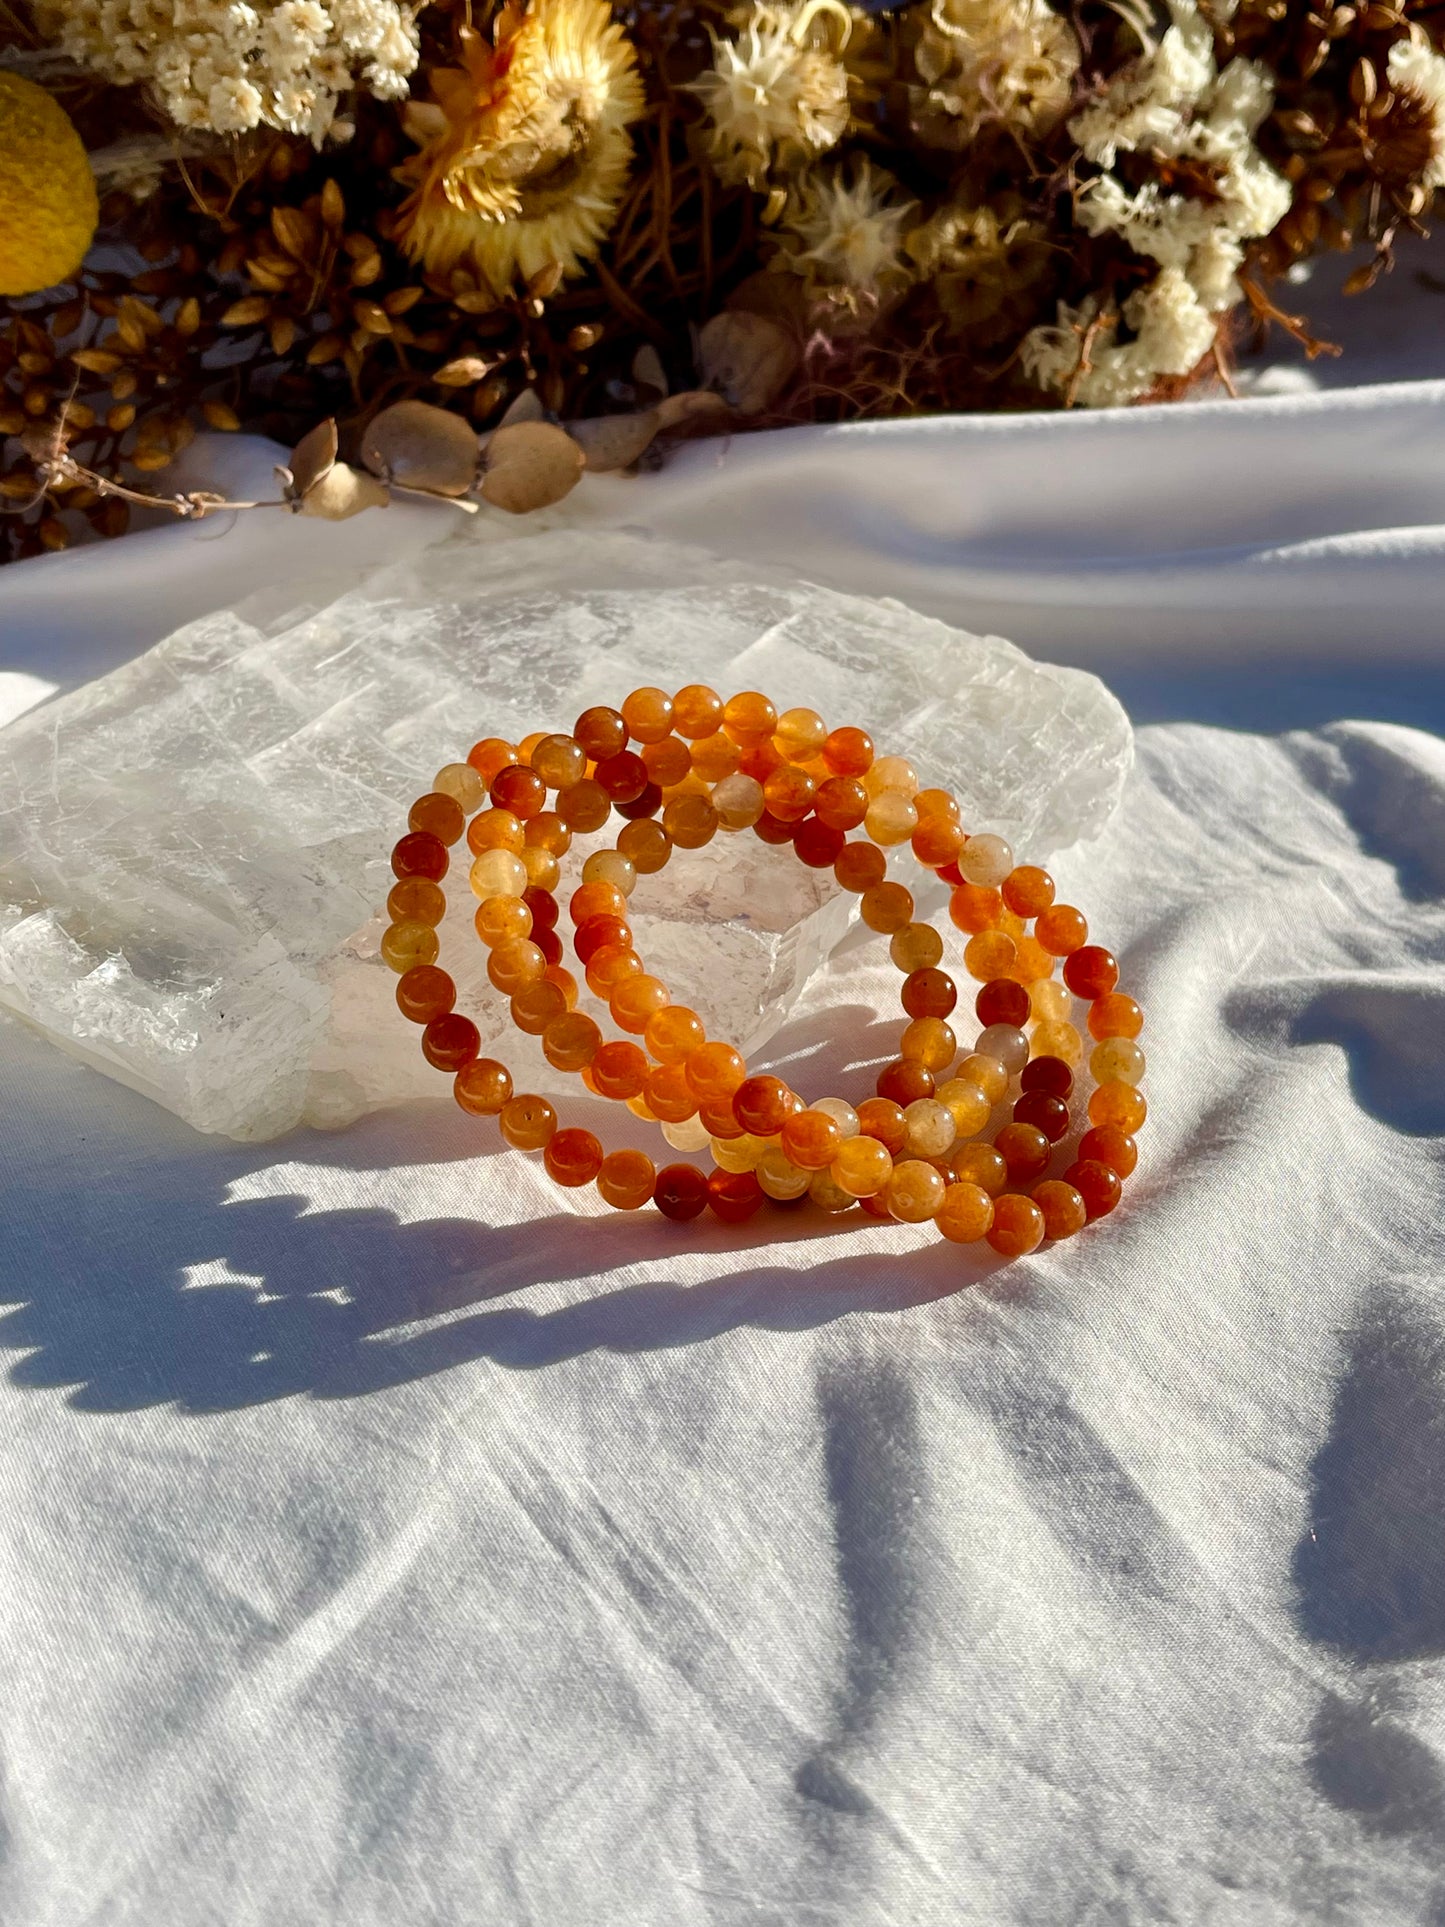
{"x":194,"y":849}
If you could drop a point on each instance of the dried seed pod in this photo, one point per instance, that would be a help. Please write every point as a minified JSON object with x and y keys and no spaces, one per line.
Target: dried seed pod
{"x":342,"y":492}
{"x":747,"y":358}
{"x":530,"y":465}
{"x":418,"y":446}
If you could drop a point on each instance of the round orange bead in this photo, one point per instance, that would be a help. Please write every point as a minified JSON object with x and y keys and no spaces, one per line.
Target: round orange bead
{"x":420,"y":854}
{"x":668,"y":1094}
{"x":1018,"y":1226}
{"x":882,"y":1118}
{"x":842,"y":803}
{"x":965,"y":1214}
{"x":527,"y":1122}
{"x":763,"y":1105}
{"x":647,"y":713}
{"x":493,"y":753}
{"x":1062,"y":929}
{"x":619,"y":1070}
{"x":1063,"y":1209}
{"x":975,"y":908}
{"x":1091,"y":971}
{"x":599,"y":899}
{"x":715,"y":758}
{"x":915,"y":1192}
{"x":1025,"y":1150}
{"x":848,"y":751}
{"x":789,"y":793}
{"x":1113,"y":1103}
{"x":425,"y":993}
{"x":571,"y":1041}
{"x":626,"y":1179}
{"x":601,"y":732}
{"x":734,"y":1195}
{"x":1027,"y":890}
{"x":749,"y":718}
{"x":482,"y":1087}
{"x":715,"y":1070}
{"x":674,"y":1033}
{"x":416,"y":900}
{"x":937,"y":841}
{"x":691,"y":821}
{"x":1097,"y":1183}
{"x":560,"y":761}
{"x":669,"y":762}
{"x":646,"y":845}
{"x":1115,"y":1015}
{"x":811,"y":1140}
{"x":982,"y":1165}
{"x":887,"y":907}
{"x":438,"y":815}
{"x":623,"y":776}
{"x":573,"y":1157}
{"x":535,"y":1007}
{"x":905,"y":1081}
{"x":1110,"y":1146}
{"x":520,"y":790}
{"x":929,"y":993}
{"x":496,"y":830}
{"x":609,"y":965}
{"x":697,"y":711}
{"x":405,"y":946}
{"x":584,"y":806}
{"x":513,"y":966}
{"x":860,"y":866}
{"x":636,"y":1001}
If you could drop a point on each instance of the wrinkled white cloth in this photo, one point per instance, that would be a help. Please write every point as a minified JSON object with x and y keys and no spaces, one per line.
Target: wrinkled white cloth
{"x":384,"y":1541}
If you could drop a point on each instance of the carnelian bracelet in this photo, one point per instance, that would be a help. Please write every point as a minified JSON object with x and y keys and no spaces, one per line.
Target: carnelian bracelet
{"x":912,"y":1152}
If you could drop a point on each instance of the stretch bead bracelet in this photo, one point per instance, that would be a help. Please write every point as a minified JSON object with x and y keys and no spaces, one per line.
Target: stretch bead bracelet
{"x":913,"y":1151}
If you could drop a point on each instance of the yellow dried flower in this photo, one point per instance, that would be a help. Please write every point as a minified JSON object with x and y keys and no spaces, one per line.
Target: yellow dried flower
{"x":844,"y":235}
{"x":48,"y":206}
{"x":776,"y":96}
{"x":525,"y":152}
{"x":985,"y":264}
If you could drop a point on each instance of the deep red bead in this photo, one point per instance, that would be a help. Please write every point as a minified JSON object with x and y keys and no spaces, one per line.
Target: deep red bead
{"x":597,"y":931}
{"x":1002,"y":1002}
{"x":1110,"y":1146}
{"x":1091,"y":971}
{"x":623,"y":776}
{"x":680,"y":1192}
{"x":1096,"y":1184}
{"x":1048,"y":1114}
{"x":543,"y":906}
{"x":647,"y":803}
{"x":549,"y":943}
{"x":817,"y":844}
{"x":420,"y":854}
{"x":734,"y":1195}
{"x":771,"y":830}
{"x":450,"y":1042}
{"x":1049,"y":1074}
{"x":905,"y":1081}
{"x":951,"y":874}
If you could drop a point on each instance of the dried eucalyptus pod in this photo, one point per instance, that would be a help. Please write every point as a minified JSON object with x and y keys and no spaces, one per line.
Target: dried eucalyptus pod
{"x":413,"y":445}
{"x":317,"y":484}
{"x":530,"y":465}
{"x":746,"y":358}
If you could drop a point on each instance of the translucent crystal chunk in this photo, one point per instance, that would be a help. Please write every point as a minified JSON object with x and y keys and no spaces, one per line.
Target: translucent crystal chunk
{"x":193,"y":850}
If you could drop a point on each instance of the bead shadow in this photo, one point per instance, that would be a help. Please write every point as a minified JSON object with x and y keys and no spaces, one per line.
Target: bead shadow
{"x":107,"y":1303}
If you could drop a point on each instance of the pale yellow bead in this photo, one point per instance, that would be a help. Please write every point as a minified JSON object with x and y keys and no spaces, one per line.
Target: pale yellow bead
{"x":779,"y":1177}
{"x":862,"y":1167}
{"x":915,"y":1191}
{"x":800,"y":734}
{"x":987,"y":1073}
{"x":1057,"y":1040}
{"x":929,"y":1041}
{"x":611,"y":866}
{"x":739,"y":1153}
{"x":498,"y":873}
{"x":462,"y":783}
{"x":985,"y":859}
{"x":930,"y":1128}
{"x":841,"y":1112}
{"x":1007,"y":1043}
{"x":828,"y":1194}
{"x":1118,"y":1060}
{"x":689,"y":1135}
{"x":917,"y":946}
{"x":891,"y":819}
{"x":891,"y":773}
{"x":1050,"y":1001}
{"x":544,"y":872}
{"x":970,"y":1107}
{"x":738,"y":801}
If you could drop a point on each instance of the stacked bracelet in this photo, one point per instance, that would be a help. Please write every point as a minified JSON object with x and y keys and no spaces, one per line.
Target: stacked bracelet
{"x":678,"y":770}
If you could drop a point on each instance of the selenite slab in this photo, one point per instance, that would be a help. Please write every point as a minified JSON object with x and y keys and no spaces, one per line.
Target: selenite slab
{"x":194,"y":849}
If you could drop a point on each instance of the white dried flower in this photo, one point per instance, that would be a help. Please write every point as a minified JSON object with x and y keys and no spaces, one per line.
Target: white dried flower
{"x":844,"y":235}
{"x":1011,"y":61}
{"x":1173,"y":107}
{"x":1414,"y":67}
{"x":226,"y":68}
{"x":777,"y":95}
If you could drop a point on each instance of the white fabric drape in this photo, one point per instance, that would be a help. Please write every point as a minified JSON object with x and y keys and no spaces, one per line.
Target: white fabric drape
{"x":380,"y":1540}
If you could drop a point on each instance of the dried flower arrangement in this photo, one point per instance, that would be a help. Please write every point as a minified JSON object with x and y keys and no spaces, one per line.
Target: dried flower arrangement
{"x":486,"y":246}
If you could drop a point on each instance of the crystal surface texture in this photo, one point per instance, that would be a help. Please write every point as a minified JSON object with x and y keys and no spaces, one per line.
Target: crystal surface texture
{"x":193,"y":850}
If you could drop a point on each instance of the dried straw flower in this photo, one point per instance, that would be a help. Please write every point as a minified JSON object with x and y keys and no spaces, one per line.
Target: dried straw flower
{"x":1415,"y":69}
{"x":1008,"y":61}
{"x":842,"y":231}
{"x":776,"y":97}
{"x":225,"y":69}
{"x":1082,"y":360}
{"x":525,"y":153}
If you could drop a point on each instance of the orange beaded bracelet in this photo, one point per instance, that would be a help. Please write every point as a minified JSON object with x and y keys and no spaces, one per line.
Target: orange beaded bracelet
{"x":912,"y":1152}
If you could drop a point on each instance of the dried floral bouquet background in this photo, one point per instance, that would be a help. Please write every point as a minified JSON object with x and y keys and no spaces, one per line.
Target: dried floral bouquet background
{"x":473,"y":249}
